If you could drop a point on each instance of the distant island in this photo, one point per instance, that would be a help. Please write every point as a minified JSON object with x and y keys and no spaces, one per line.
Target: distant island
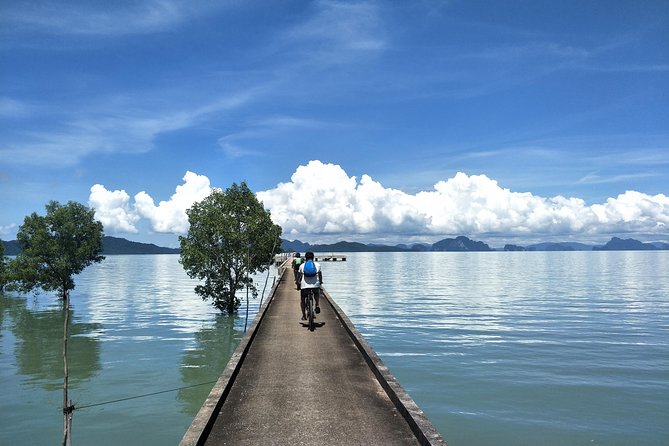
{"x":118,"y":246}
{"x":121,"y":246}
{"x":110,"y":246}
{"x":465,"y":244}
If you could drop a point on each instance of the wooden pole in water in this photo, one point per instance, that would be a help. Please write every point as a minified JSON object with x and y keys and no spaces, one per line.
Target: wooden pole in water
{"x":248,"y":254}
{"x":67,"y":404}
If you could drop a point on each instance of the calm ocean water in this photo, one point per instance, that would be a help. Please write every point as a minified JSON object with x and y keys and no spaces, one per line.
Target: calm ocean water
{"x":517,"y":348}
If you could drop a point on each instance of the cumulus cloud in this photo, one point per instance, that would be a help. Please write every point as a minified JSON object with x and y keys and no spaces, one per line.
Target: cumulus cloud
{"x":170,"y":216}
{"x":324,"y":199}
{"x":114,"y":211}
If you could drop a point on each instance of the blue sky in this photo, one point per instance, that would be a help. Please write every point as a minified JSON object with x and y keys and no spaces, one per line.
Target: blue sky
{"x":377,"y":121}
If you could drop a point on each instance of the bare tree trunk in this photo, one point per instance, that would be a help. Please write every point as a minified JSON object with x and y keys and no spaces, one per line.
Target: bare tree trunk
{"x":67,"y":404}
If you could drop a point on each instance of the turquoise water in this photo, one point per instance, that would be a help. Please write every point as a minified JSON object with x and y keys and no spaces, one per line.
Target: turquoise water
{"x":521,"y":348}
{"x":551,"y":348}
{"x":137,"y":328}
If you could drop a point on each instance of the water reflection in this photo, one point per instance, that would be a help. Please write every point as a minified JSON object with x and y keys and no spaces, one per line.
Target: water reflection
{"x":146,"y":331}
{"x":214,"y":345}
{"x":39,"y":343}
{"x":483,"y":340}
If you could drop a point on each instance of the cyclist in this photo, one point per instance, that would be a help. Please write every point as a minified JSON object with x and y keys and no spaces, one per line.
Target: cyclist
{"x":309,"y":283}
{"x":297,"y":261}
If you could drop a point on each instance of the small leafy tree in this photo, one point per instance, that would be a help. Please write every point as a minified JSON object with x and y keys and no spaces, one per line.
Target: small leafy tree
{"x":231,"y":236}
{"x":55,"y":247}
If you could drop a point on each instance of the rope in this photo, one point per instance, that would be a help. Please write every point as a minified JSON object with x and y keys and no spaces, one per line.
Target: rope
{"x":72,"y":408}
{"x":262,"y":296}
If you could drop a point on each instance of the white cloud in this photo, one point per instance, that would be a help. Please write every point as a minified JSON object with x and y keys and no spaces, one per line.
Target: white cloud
{"x":234,"y":150}
{"x":117,"y":128}
{"x":12,"y":108}
{"x":113,"y":209}
{"x":323,"y":199}
{"x":8,"y":230}
{"x":238,"y":144}
{"x":170,"y":216}
{"x":112,"y":18}
{"x":634,"y":211}
{"x":338,"y":31}
{"x":353,"y":26}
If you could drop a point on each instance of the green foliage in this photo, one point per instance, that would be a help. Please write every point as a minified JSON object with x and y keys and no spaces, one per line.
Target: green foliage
{"x":55,"y":247}
{"x":231,"y":236}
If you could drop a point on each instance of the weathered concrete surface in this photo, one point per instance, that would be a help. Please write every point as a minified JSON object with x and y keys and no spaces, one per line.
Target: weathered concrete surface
{"x":301,"y":388}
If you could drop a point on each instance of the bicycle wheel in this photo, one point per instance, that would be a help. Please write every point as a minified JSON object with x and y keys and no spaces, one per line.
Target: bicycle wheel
{"x":310,"y":310}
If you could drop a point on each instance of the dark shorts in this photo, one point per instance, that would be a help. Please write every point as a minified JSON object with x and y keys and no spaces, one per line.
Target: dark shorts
{"x":304,"y":292}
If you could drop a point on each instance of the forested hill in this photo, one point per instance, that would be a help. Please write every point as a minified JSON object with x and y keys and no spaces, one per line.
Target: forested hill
{"x":110,"y":246}
{"x":617,"y":244}
{"x":115,"y":245}
{"x":460,"y":243}
{"x":463,"y":243}
{"x":121,"y":246}
{"x":11,"y":248}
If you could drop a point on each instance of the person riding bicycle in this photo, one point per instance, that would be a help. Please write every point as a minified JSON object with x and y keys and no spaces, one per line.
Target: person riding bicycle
{"x":308,"y":282}
{"x":297,"y":261}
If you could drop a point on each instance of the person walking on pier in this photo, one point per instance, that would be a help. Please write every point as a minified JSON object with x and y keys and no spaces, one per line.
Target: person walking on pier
{"x":310,"y":278}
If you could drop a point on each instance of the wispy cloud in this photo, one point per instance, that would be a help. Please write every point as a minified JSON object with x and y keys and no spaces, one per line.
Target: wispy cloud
{"x":628,"y":68}
{"x":512,"y":53}
{"x":110,"y":18}
{"x":484,"y":71}
{"x":238,"y":144}
{"x":12,"y":108}
{"x":120,"y":127}
{"x":337,"y":31}
{"x":285,"y":121}
{"x":597,"y":178}
{"x":236,"y":150}
{"x":81,"y":136}
{"x":563,"y":163}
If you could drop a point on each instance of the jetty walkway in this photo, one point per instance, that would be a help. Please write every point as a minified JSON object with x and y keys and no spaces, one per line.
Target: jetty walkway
{"x":286,"y":385}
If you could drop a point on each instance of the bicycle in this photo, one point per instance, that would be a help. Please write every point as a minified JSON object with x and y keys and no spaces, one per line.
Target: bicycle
{"x":309,"y":304}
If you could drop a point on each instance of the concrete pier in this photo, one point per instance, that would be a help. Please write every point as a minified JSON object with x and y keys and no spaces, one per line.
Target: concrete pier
{"x":286,"y":385}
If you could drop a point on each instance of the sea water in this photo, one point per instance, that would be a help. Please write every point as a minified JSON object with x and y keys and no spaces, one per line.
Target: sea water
{"x":503,"y":348}
{"x":521,"y":348}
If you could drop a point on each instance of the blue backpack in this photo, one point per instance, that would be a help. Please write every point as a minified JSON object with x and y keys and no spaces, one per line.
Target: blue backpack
{"x":310,"y":269}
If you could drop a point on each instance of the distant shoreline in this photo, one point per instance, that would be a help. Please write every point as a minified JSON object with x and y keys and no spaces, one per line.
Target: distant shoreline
{"x":110,"y":246}
{"x":464,"y":244}
{"x":121,"y":246}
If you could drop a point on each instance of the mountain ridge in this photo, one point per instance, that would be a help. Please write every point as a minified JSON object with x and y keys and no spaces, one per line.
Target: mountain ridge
{"x":465,"y":244}
{"x":110,"y":246}
{"x":121,"y":246}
